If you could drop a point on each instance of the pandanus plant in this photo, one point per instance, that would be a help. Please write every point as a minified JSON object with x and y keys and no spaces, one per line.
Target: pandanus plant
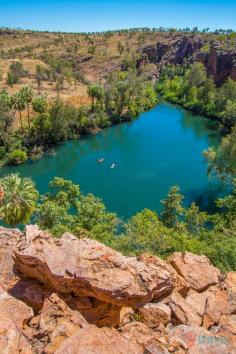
{"x":18,"y":197}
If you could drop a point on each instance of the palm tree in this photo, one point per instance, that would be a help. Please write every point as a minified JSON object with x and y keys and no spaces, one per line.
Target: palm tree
{"x":95,"y":92}
{"x":19,"y":105}
{"x":27,"y":94}
{"x":18,"y":200}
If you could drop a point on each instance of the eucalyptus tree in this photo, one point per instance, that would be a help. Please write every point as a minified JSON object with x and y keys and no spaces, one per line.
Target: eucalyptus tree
{"x":18,"y":199}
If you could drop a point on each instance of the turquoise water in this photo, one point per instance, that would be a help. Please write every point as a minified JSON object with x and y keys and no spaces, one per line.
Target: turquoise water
{"x":161,"y":148}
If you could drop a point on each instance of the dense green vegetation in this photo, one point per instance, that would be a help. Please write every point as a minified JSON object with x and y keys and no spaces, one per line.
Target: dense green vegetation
{"x":124,"y":95}
{"x":122,"y":98}
{"x":178,"y":228}
{"x":190,"y":87}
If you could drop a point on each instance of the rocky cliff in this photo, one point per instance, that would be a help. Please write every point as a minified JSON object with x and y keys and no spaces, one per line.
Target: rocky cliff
{"x":72,"y":295}
{"x":220,"y":62}
{"x":219,"y":59}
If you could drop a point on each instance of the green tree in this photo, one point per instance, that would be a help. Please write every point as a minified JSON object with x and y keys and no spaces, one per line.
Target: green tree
{"x":95,"y":92}
{"x":222,"y":160}
{"x":144,"y":232}
{"x":17,"y":157}
{"x":173,"y":208}
{"x":16,"y":71}
{"x":194,"y":219}
{"x":40,"y":105}
{"x":19,"y":199}
{"x":19,"y":105}
{"x":6,"y":117}
{"x":27,"y":95}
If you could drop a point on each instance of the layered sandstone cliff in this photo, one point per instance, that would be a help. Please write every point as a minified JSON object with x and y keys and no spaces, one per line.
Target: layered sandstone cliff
{"x":74,"y":295}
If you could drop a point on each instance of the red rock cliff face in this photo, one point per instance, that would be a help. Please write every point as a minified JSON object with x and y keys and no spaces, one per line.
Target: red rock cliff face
{"x":78,"y":296}
{"x":220,"y":63}
{"x":172,"y":50}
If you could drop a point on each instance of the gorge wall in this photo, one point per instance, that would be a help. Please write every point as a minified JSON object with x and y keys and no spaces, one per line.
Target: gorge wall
{"x":219,"y":59}
{"x":72,"y":295}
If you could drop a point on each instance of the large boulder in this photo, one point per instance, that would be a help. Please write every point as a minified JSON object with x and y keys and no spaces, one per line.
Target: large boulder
{"x":86,"y":267}
{"x":150,"y":341}
{"x":55,"y":323}
{"x":179,"y":283}
{"x":12,"y":341}
{"x":8,"y":241}
{"x":154,"y":314}
{"x":31,"y":292}
{"x":14,"y":310}
{"x":94,"y":340}
{"x":197,"y":340}
{"x":230,"y":283}
{"x":216,"y":306}
{"x":197,"y":301}
{"x":196,"y":270}
{"x":183,"y":311}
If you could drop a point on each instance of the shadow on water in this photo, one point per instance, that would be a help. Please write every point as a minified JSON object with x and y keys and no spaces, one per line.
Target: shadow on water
{"x":206,"y":197}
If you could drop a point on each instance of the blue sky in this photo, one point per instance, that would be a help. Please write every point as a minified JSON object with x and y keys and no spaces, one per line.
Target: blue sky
{"x":95,"y":15}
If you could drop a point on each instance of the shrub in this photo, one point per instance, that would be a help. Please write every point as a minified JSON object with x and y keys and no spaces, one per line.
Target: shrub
{"x":17,"y":157}
{"x":2,"y":151}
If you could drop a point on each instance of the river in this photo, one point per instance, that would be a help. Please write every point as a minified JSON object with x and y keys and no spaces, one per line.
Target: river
{"x":161,"y":148}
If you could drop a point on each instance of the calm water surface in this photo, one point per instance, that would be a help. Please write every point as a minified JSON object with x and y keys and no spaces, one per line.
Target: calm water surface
{"x":163,"y":147}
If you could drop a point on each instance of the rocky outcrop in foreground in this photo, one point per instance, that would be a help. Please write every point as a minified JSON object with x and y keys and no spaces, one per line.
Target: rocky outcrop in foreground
{"x":77,"y":296}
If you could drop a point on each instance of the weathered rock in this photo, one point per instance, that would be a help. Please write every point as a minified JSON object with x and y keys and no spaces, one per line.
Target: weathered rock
{"x":216,"y":305}
{"x":88,"y":268}
{"x":173,"y":50}
{"x":55,"y":323}
{"x":230,"y":283}
{"x":197,"y":301}
{"x":179,"y":283}
{"x":103,"y":313}
{"x":12,"y":340}
{"x":198,"y":340}
{"x":220,"y":62}
{"x":14,"y":310}
{"x":228,"y":325}
{"x":196,"y":270}
{"x":155,"y":313}
{"x":126,"y":315}
{"x":73,"y":284}
{"x":31,"y":292}
{"x":183,"y":311}
{"x":151,"y":342}
{"x":9,"y":239}
{"x":94,"y":340}
{"x":228,"y":331}
{"x":139,"y":331}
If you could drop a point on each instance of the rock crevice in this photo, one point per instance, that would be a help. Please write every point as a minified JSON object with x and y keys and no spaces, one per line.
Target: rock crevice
{"x":79,"y":296}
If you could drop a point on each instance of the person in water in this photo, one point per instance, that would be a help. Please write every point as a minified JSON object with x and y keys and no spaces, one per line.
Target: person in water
{"x":101,"y":160}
